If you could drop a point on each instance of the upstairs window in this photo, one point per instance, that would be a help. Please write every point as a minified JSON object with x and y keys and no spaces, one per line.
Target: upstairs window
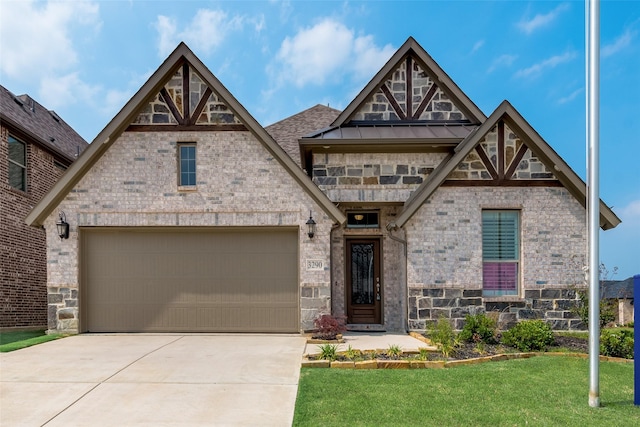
{"x":17,"y":164}
{"x":500,"y":252}
{"x":187,"y":165}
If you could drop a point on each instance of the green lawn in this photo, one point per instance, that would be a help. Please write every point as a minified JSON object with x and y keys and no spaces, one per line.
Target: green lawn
{"x":10,"y":341}
{"x":541,"y":391}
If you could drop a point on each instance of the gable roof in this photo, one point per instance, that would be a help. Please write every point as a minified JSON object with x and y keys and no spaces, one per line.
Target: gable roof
{"x":40,"y":125}
{"x":506,"y":112}
{"x":431,"y":68}
{"x":286,"y":132}
{"x":147,"y":93}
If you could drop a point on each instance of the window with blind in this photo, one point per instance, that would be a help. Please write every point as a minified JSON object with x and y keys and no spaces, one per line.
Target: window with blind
{"x":500,"y":252}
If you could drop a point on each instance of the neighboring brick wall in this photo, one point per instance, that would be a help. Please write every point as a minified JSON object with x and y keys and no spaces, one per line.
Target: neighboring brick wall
{"x":23,"y":292}
{"x":445,"y":255}
{"x":239,"y":183}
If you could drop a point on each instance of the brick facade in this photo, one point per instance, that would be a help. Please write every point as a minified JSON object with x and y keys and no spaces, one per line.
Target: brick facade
{"x":134,"y":184}
{"x":445,"y":256}
{"x":23,"y":291}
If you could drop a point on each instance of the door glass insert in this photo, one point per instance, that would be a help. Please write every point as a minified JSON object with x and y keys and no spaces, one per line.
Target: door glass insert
{"x":362,"y":273}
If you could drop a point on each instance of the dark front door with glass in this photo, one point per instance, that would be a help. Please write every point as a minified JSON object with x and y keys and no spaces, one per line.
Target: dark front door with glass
{"x":364,"y":289}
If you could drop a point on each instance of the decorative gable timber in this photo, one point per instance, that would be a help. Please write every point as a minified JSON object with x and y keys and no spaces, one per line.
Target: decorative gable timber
{"x":539,"y":149}
{"x":186,"y":101}
{"x":501,"y":157}
{"x":409,"y":93}
{"x":411,"y":87}
{"x":124,"y":121}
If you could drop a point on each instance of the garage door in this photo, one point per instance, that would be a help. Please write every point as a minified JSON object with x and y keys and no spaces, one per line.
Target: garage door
{"x":189,"y":280}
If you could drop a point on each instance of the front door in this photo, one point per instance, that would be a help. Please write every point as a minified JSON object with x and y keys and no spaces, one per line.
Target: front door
{"x":364,"y":289}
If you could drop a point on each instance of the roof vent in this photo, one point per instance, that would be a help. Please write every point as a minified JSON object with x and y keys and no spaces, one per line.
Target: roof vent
{"x":55,"y":116}
{"x":18,"y":101}
{"x":52,"y":139}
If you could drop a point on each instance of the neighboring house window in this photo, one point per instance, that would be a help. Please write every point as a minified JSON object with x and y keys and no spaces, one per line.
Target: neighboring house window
{"x":500,"y":252}
{"x":187,"y":165}
{"x":17,"y":164}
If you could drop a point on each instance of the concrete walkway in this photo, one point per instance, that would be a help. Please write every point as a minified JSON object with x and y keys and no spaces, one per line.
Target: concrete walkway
{"x":152,"y":380}
{"x":374,"y":341}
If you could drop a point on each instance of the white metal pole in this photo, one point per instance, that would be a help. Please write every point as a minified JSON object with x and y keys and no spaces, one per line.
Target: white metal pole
{"x":593,"y":124}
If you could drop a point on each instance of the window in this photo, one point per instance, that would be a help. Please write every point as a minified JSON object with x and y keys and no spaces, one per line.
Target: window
{"x":187,"y":165}
{"x":500,"y":252}
{"x":362,"y":220}
{"x":17,"y":164}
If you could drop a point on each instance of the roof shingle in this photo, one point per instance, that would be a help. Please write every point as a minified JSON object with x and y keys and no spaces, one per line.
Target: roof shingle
{"x":43,"y":125}
{"x":286,"y":132}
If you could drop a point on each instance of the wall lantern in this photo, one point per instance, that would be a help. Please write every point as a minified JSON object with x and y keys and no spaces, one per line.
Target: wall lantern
{"x":311,"y":226}
{"x":63,"y":226}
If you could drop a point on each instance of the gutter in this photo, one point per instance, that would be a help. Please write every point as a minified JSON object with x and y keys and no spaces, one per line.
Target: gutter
{"x":405,"y":291}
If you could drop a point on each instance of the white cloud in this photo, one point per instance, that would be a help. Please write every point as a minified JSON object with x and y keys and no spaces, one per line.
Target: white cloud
{"x":619,"y":44}
{"x":541,"y":20}
{"x":37,"y":37}
{"x":571,"y":96}
{"x":328,"y":49}
{"x":204,"y":33}
{"x":60,"y":91}
{"x":502,"y":61}
{"x":477,"y":45}
{"x":630,"y":214}
{"x":540,"y":67}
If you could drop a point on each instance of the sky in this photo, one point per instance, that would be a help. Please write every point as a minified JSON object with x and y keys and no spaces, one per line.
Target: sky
{"x":86,"y":59}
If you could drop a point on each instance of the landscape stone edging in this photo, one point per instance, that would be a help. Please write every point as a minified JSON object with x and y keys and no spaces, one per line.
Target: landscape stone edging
{"x":438,"y":364}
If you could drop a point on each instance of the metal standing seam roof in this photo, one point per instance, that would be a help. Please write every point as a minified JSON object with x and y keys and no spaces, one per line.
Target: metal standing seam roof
{"x":43,"y":126}
{"x":395,"y":132}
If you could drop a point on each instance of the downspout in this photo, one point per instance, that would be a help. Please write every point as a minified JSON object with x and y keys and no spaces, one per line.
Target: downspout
{"x":334,"y":227}
{"x":405,"y":292}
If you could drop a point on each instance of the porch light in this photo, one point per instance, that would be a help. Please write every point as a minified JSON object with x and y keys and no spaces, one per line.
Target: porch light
{"x":63,"y":226}
{"x":311,"y":226}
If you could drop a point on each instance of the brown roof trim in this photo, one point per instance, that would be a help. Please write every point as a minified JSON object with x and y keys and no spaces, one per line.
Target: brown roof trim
{"x":127,"y":114}
{"x":444,"y":82}
{"x":569,"y":179}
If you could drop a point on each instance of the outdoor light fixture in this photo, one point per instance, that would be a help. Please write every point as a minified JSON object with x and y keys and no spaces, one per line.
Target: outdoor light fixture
{"x":311,"y":226}
{"x":63,"y":226}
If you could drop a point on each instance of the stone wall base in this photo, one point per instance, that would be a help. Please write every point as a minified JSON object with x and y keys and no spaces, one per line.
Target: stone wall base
{"x":554,"y":306}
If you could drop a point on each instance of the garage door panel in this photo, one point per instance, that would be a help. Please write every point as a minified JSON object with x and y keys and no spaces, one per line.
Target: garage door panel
{"x":200,"y":280}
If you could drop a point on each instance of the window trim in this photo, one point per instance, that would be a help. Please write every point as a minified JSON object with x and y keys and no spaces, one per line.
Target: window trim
{"x":23,"y":167}
{"x":181,"y":186}
{"x":488,"y":293}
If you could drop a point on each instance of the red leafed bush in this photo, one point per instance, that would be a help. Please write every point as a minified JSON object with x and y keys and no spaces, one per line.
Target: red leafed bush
{"x":328,"y":326}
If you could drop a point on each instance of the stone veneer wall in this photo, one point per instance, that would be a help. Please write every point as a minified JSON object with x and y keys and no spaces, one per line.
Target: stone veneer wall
{"x":392,"y":264}
{"x":372,"y":177}
{"x":445,"y":256}
{"x":239,"y":183}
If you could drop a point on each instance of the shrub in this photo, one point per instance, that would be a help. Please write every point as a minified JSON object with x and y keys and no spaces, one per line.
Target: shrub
{"x":394,"y":351}
{"x":617,"y":343}
{"x":444,"y":336}
{"x":529,"y":335}
{"x":328,"y":326}
{"x":328,"y":351}
{"x":478,"y":328}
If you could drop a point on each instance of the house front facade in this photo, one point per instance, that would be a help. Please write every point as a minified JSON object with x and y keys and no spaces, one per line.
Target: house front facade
{"x":186,"y":214}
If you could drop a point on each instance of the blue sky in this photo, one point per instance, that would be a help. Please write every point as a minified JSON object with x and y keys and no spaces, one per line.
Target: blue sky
{"x":85,"y":59}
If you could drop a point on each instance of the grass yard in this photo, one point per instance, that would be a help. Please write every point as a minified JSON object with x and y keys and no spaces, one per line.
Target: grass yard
{"x":10,"y":341}
{"x":541,"y":391}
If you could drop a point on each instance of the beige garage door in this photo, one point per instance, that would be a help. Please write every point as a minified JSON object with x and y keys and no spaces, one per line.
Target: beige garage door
{"x":189,"y":280}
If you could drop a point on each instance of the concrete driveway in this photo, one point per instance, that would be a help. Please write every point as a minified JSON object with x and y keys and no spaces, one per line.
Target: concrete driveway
{"x":152,"y":380}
